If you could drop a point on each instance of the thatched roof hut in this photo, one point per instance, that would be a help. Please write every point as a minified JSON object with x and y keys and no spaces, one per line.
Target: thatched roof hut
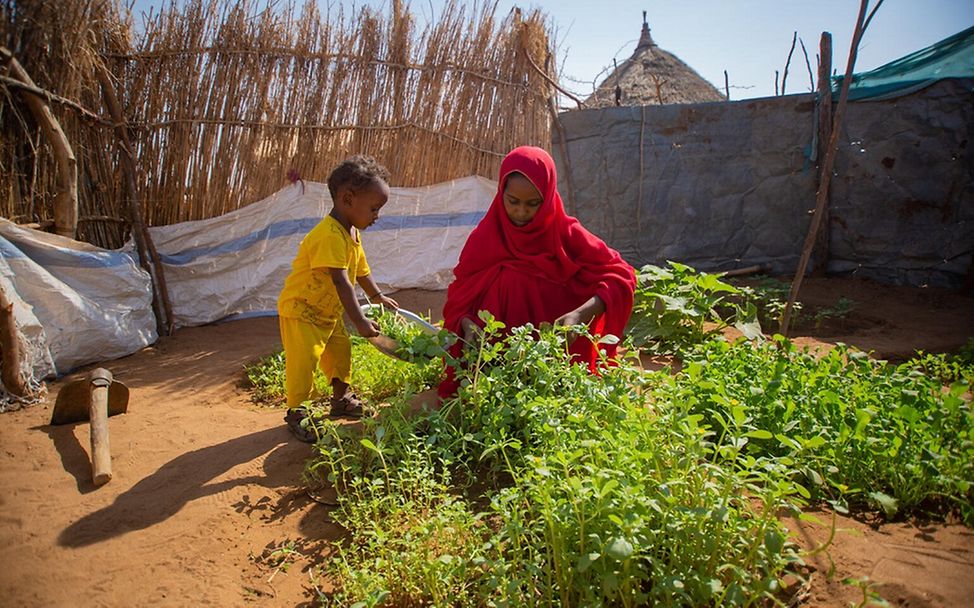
{"x":652,"y":76}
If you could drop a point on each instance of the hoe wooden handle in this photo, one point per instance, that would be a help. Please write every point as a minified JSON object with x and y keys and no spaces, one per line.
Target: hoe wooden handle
{"x":101,"y":453}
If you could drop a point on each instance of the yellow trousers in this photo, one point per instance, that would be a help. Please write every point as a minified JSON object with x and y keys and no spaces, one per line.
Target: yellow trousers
{"x":307,"y":345}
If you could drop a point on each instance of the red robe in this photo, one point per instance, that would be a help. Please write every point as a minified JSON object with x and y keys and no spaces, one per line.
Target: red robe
{"x":537,"y":272}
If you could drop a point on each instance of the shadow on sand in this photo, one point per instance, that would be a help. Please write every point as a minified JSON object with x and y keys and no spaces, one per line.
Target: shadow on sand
{"x":183,"y":479}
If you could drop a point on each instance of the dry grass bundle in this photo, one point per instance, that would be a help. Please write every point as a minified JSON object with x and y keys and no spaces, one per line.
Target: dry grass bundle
{"x":55,"y":42}
{"x":224,"y":98}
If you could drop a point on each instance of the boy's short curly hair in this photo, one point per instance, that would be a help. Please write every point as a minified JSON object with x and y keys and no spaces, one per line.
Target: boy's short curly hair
{"x":356,"y":172}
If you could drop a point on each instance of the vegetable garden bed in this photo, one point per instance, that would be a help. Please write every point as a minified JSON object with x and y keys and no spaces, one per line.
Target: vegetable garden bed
{"x":542,"y":485}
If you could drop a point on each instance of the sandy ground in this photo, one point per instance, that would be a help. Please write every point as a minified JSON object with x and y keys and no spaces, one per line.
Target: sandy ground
{"x":206,"y":485}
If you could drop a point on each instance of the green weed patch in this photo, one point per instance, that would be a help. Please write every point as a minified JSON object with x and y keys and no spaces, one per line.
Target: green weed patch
{"x":857,"y":430}
{"x":375,"y":376}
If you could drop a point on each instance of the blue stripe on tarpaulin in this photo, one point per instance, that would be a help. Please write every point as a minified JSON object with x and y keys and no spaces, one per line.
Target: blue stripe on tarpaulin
{"x":271,"y":231}
{"x":304,"y":225}
{"x":54,"y":257}
{"x":432,"y":220}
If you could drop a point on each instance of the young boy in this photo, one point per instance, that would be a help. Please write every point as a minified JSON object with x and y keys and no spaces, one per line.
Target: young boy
{"x":319,"y":289}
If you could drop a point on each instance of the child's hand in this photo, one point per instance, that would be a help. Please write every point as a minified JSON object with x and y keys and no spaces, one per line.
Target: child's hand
{"x":387,"y":301}
{"x":367,"y":328}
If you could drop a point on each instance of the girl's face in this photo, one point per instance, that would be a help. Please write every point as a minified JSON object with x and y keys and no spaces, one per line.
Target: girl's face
{"x":521,"y":199}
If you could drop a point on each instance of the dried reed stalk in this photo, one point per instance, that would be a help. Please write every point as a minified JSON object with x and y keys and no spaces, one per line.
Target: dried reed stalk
{"x":223,"y":98}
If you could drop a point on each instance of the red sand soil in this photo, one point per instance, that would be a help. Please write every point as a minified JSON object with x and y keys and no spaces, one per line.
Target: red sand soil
{"x":206,"y":485}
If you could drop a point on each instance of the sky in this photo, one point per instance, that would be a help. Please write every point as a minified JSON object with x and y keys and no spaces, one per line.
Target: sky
{"x":749,"y":39}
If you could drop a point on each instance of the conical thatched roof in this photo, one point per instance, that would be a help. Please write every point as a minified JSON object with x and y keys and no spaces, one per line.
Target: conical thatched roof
{"x":652,"y":76}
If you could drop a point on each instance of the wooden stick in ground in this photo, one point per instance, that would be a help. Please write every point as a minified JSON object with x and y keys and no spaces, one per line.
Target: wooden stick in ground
{"x":66,"y":199}
{"x":821,"y":250}
{"x":726,"y":86}
{"x":825,"y":173}
{"x":100,"y":380}
{"x":13,"y":380}
{"x":148,"y":255}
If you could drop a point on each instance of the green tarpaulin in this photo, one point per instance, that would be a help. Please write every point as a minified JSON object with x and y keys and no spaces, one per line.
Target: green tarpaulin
{"x":950,"y":58}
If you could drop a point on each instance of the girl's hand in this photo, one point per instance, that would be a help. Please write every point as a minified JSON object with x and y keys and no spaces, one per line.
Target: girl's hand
{"x":570,"y":318}
{"x":367,"y":328}
{"x":387,"y":301}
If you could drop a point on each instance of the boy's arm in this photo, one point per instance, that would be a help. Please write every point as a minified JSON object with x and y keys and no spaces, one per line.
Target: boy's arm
{"x":374,"y":294}
{"x":346,"y":294}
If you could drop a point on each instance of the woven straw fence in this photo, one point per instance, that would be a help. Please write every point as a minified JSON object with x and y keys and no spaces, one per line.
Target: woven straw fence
{"x":223,"y":100}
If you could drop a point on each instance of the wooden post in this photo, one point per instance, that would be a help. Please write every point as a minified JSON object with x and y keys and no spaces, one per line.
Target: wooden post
{"x":148,"y":255}
{"x":100,"y":380}
{"x":726,"y":86}
{"x":13,"y":379}
{"x":821,"y":250}
{"x":66,"y":199}
{"x":825,"y":173}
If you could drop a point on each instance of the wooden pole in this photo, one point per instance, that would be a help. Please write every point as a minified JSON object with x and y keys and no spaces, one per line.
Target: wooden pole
{"x":825,"y":173}
{"x":100,"y":380}
{"x":12,"y":357}
{"x":808,"y":64}
{"x":148,"y":255}
{"x":726,"y":86}
{"x":66,"y":199}
{"x":821,"y":250}
{"x":784,"y":75}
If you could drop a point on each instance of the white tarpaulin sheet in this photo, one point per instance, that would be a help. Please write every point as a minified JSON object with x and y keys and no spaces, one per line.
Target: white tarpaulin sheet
{"x":77,"y":304}
{"x":235,"y":264}
{"x":74,"y":303}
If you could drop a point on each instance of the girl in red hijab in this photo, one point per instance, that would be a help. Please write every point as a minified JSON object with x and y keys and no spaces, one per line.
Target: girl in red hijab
{"x":527,"y":261}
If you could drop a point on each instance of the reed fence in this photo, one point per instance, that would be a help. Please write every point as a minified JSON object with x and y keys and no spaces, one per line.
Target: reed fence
{"x":223,"y":100}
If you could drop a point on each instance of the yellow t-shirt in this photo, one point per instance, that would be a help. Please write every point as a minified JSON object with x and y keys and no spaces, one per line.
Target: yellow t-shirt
{"x":309,"y":293}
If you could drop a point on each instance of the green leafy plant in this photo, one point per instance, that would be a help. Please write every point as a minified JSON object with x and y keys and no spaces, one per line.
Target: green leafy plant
{"x":841,"y":309}
{"x":672,"y":306}
{"x":870,"y":597}
{"x":769,"y":296}
{"x":859,"y":431}
{"x":413,"y":343}
{"x":551,"y":486}
{"x":278,"y":557}
{"x":945,"y":368}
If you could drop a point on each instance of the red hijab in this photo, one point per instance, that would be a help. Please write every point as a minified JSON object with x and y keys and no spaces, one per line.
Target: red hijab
{"x":553,"y":246}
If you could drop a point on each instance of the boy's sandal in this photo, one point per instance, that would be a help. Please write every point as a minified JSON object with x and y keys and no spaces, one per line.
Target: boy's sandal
{"x":293,"y":418}
{"x":349,"y":406}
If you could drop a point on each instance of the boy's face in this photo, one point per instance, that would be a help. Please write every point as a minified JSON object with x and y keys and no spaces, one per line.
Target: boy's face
{"x":361,"y":207}
{"x":521,"y":199}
